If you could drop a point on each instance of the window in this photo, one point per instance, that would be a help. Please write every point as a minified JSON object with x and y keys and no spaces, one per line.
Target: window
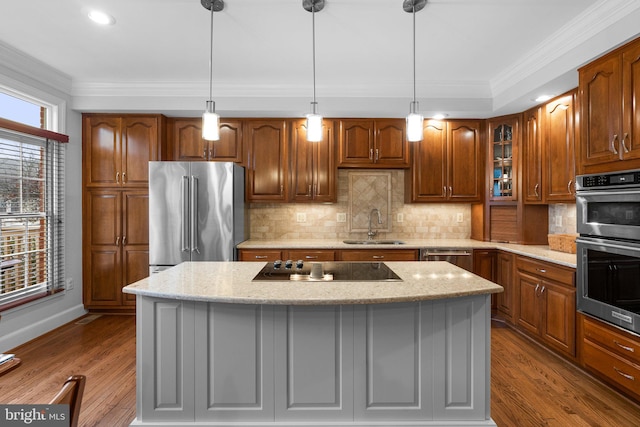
{"x":31,"y":213}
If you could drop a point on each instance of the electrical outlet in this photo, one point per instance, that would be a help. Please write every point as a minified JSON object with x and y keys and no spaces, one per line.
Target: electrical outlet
{"x":341,"y":217}
{"x":459,"y":217}
{"x":400,"y":217}
{"x":301,"y":217}
{"x":559,"y":221}
{"x":69,"y":284}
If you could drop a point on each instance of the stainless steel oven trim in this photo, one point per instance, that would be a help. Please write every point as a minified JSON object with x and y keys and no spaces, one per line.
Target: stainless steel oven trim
{"x":607,"y":312}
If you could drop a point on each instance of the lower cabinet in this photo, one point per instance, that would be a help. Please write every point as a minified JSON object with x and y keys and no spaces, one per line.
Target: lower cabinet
{"x":420,"y":363}
{"x":504,"y":277}
{"x":546,"y":303}
{"x":259,"y":255}
{"x":611,"y":353}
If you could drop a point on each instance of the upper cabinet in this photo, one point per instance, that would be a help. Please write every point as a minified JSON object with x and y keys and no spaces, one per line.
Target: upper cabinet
{"x":559,"y":153}
{"x":532,"y":151}
{"x":379,"y":143}
{"x":118,"y":148}
{"x":609,"y":95}
{"x":267,"y":160}
{"x":313,"y":165}
{"x":186,"y":143}
{"x":447,"y":163}
{"x":503,"y":158}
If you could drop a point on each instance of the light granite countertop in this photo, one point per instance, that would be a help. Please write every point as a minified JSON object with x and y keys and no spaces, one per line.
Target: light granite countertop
{"x":541,"y":252}
{"x":231,"y":282}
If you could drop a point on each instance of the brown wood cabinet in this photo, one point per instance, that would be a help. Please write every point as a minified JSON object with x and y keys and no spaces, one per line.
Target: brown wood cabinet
{"x":612,"y":353}
{"x":532,"y":187}
{"x":266,"y":146}
{"x":546,"y":303}
{"x":559,"y":149}
{"x":313,"y":166}
{"x":117,"y":149}
{"x":260,"y":255}
{"x":368,"y":143}
{"x":504,"y":139}
{"x":116,"y":245}
{"x":504,"y":277}
{"x":310,"y":255}
{"x":447,"y":165}
{"x":609,"y":89}
{"x":185,"y":141}
{"x":378,"y":255}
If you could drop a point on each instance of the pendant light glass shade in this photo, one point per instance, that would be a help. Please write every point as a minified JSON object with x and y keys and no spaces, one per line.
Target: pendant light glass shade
{"x":210,"y":123}
{"x":314,"y":127}
{"x":415,"y":124}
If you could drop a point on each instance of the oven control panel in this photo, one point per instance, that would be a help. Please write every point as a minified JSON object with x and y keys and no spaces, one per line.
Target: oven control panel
{"x":615,"y":179}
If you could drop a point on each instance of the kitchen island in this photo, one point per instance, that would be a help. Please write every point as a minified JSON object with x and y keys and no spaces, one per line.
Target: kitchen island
{"x":216,"y":348}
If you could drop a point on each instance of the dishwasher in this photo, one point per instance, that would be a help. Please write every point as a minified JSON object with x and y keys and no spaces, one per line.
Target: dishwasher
{"x":463,"y":258}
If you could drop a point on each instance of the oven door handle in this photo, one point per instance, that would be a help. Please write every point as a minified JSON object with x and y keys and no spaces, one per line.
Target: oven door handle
{"x":608,"y":244}
{"x":606,"y":193}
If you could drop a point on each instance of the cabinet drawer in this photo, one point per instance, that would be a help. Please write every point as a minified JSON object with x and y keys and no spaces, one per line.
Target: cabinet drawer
{"x":617,"y":369}
{"x":376,"y":255}
{"x":259,"y":255}
{"x":305,"y":255}
{"x":618,"y":343}
{"x":546,"y":270}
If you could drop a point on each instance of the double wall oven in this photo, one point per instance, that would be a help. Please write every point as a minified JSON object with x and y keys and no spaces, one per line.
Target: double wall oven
{"x":608,"y":248}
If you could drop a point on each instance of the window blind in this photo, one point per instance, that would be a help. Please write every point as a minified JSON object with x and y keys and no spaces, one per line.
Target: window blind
{"x":32,"y":171}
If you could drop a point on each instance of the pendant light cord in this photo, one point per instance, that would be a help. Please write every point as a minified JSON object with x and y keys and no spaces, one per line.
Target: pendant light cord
{"x":211,"y":59}
{"x":414,"y":51}
{"x":313,"y":50}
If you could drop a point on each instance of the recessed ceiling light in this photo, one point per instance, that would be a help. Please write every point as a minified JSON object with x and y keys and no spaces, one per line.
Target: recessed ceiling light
{"x":543,"y":98}
{"x":101,"y":18}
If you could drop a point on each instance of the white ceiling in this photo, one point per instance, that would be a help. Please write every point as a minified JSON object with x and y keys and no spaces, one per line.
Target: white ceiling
{"x":475,"y":58}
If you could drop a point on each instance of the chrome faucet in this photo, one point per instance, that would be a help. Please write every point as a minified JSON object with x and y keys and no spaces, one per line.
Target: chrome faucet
{"x":370,"y":232}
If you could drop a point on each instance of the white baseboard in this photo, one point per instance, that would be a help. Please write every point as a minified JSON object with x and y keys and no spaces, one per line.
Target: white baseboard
{"x":18,"y":337}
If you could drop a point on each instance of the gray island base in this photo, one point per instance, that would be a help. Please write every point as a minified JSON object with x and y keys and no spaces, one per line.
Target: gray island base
{"x":215,"y":349}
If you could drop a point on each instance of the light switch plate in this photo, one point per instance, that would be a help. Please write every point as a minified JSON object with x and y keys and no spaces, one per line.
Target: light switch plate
{"x":301,"y":217}
{"x":341,"y":217}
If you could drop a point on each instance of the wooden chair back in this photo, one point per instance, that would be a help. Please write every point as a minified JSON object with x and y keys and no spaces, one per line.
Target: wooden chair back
{"x":71,"y":394}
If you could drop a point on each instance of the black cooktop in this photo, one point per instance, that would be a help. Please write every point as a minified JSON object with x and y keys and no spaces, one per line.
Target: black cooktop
{"x":327,"y":271}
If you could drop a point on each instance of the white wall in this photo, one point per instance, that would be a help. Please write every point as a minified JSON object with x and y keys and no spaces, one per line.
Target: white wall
{"x":36,"y":79}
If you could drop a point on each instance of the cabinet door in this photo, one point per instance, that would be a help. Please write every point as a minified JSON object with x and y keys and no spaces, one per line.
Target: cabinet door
{"x":135,"y":239}
{"x":631,"y":98}
{"x":558,"y":326}
{"x":505,"y":299}
{"x":601,"y":105}
{"x":229,"y":147}
{"x":391,"y":146}
{"x":503,"y":155}
{"x":186,"y":140}
{"x":465,"y":161}
{"x":267,"y":157}
{"x":529,"y":313}
{"x":101,"y":150}
{"x":140,"y":144}
{"x":101,"y":264}
{"x":356,"y":143}
{"x":559,"y":141}
{"x":311,"y":255}
{"x":324,"y":170}
{"x":532,"y":173}
{"x":259,"y":255}
{"x":427,"y":180}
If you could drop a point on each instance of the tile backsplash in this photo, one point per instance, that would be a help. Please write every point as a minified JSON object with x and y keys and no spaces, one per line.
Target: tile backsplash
{"x":271,"y":221}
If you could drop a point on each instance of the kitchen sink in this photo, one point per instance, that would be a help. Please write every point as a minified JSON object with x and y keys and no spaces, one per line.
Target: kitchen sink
{"x":373,"y":242}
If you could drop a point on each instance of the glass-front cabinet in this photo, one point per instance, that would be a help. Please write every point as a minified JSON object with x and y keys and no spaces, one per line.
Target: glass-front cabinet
{"x":503,"y":159}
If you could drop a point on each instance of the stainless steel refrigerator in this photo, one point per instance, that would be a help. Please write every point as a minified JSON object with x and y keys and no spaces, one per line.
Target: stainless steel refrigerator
{"x":196,"y":212}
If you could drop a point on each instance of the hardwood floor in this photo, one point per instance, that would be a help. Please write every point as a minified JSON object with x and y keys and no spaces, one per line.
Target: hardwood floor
{"x":530,"y":386}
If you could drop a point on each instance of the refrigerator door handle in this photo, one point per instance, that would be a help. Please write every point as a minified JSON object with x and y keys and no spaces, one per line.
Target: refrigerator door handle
{"x":185,"y":214}
{"x":194,"y":214}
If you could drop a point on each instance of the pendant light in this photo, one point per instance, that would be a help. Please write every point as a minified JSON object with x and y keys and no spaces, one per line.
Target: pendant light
{"x":414,"y":119}
{"x":210,"y":119}
{"x":314,"y":120}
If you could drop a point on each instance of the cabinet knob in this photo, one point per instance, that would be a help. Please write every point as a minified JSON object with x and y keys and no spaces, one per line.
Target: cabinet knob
{"x":624,"y":146}
{"x":624,"y":347}
{"x":535,"y":190}
{"x":613,"y":144}
{"x":118,"y":241}
{"x":378,"y":257}
{"x":117,"y":177}
{"x":627,"y":376}
{"x":377,"y":154}
{"x":370,"y":153}
{"x":124,"y":177}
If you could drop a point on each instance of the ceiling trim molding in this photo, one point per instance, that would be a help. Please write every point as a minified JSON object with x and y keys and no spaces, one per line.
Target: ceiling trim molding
{"x":575,"y":33}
